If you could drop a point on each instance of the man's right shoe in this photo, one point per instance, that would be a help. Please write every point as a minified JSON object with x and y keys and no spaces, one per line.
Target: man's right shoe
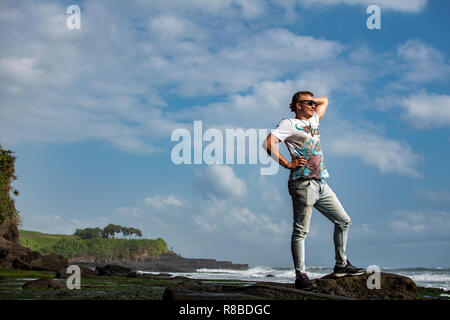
{"x":303,"y":283}
{"x":348,"y":270}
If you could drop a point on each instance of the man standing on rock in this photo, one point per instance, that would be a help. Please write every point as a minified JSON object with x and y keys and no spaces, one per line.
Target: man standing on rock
{"x":307,"y":186}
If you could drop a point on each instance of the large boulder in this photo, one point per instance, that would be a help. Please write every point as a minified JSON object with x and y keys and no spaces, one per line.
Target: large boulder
{"x":8,"y":232}
{"x":113,"y":270}
{"x":51,"y":262}
{"x":196,"y":290}
{"x":14,"y":255}
{"x":392,"y":287}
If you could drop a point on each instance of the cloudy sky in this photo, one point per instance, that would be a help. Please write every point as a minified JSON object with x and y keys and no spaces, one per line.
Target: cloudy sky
{"x":90,"y":112}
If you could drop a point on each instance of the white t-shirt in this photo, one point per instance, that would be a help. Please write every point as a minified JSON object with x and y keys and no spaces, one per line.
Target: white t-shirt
{"x":302,"y":138}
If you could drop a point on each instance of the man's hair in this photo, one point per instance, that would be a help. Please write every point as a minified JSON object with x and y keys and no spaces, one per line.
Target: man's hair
{"x":296,"y":98}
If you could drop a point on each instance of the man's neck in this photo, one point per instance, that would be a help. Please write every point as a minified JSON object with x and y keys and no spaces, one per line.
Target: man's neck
{"x":301,"y":117}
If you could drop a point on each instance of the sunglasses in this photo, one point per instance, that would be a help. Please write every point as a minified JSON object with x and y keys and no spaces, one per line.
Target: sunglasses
{"x":310,"y":102}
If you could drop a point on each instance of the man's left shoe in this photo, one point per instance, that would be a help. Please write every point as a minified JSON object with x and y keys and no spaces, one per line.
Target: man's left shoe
{"x":348,"y":270}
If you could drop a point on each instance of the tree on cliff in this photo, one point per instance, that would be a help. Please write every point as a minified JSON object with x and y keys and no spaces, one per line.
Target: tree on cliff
{"x":7,"y":206}
{"x":108,"y":232}
{"x":89,"y":233}
{"x":135,"y":231}
{"x":111,"y":229}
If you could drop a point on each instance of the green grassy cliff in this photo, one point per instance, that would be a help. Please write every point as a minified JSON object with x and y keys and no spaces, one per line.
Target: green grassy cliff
{"x":71,"y":246}
{"x":7,"y":207}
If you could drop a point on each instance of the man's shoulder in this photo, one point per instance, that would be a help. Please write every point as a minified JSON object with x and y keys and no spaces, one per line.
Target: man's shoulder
{"x":287,"y":122}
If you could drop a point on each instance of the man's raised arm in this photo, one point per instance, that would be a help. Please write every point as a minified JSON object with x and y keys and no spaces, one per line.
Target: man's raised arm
{"x":321,"y":108}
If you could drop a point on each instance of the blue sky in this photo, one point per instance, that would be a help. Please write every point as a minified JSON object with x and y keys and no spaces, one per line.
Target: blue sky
{"x":90,"y":112}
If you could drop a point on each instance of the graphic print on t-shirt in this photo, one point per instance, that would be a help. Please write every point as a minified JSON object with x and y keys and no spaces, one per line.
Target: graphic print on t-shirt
{"x":312,"y":151}
{"x":302,"y":138}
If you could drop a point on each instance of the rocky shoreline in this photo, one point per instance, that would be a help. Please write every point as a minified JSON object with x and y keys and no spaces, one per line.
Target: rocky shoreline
{"x":119,"y":280}
{"x":113,"y":282}
{"x":168,"y":262}
{"x":392,"y":287}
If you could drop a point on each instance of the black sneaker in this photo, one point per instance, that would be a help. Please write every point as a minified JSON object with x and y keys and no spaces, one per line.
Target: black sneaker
{"x":348,"y":270}
{"x":304,"y":283}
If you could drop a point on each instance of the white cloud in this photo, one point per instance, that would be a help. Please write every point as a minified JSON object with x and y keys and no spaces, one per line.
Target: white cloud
{"x":427,"y":110}
{"x":204,"y":224}
{"x":269,"y":192}
{"x":221,"y":182}
{"x":252,"y":8}
{"x":271,"y":99}
{"x":436,"y":196}
{"x":61,"y":86}
{"x":420,"y":224}
{"x":421,"y":62}
{"x":413,"y":228}
{"x":170,"y":27}
{"x":158,"y":202}
{"x":252,"y":223}
{"x":411,"y":6}
{"x":55,"y":223}
{"x":240,"y":65}
{"x":386,"y":154}
{"x":18,"y":68}
{"x":129,"y":212}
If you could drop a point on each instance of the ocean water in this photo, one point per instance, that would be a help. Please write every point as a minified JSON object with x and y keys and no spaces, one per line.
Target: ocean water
{"x":424,"y":277}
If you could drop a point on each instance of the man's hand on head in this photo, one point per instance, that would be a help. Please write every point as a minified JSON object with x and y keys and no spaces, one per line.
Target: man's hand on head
{"x":322,"y":105}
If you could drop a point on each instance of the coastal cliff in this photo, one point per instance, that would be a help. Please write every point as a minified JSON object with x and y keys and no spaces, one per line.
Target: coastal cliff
{"x":135,"y":254}
{"x":167,"y":262}
{"x":15,"y":256}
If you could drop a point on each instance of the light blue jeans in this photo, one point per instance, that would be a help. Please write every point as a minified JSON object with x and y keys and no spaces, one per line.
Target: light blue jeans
{"x":309,"y":194}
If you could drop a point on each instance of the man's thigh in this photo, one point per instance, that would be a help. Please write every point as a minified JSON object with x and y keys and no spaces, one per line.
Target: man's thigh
{"x":303,"y":192}
{"x":330,"y":206}
{"x":304,"y":196}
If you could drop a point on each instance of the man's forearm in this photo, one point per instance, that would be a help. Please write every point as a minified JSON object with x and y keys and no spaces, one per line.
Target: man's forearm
{"x":274,"y":152}
{"x":322,"y":105}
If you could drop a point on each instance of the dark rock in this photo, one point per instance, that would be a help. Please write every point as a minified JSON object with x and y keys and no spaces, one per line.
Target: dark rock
{"x":392,"y":287}
{"x":196,"y":290}
{"x":14,"y":255}
{"x":9,"y":231}
{"x":43,"y":283}
{"x":113,"y":270}
{"x":270,"y":276}
{"x":51,"y":262}
{"x":354,"y":287}
{"x":20,"y":264}
{"x":19,"y":257}
{"x":85,"y":273}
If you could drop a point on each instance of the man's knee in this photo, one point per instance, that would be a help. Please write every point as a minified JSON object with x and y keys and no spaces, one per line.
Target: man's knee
{"x":299,"y":234}
{"x":344,"y":224}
